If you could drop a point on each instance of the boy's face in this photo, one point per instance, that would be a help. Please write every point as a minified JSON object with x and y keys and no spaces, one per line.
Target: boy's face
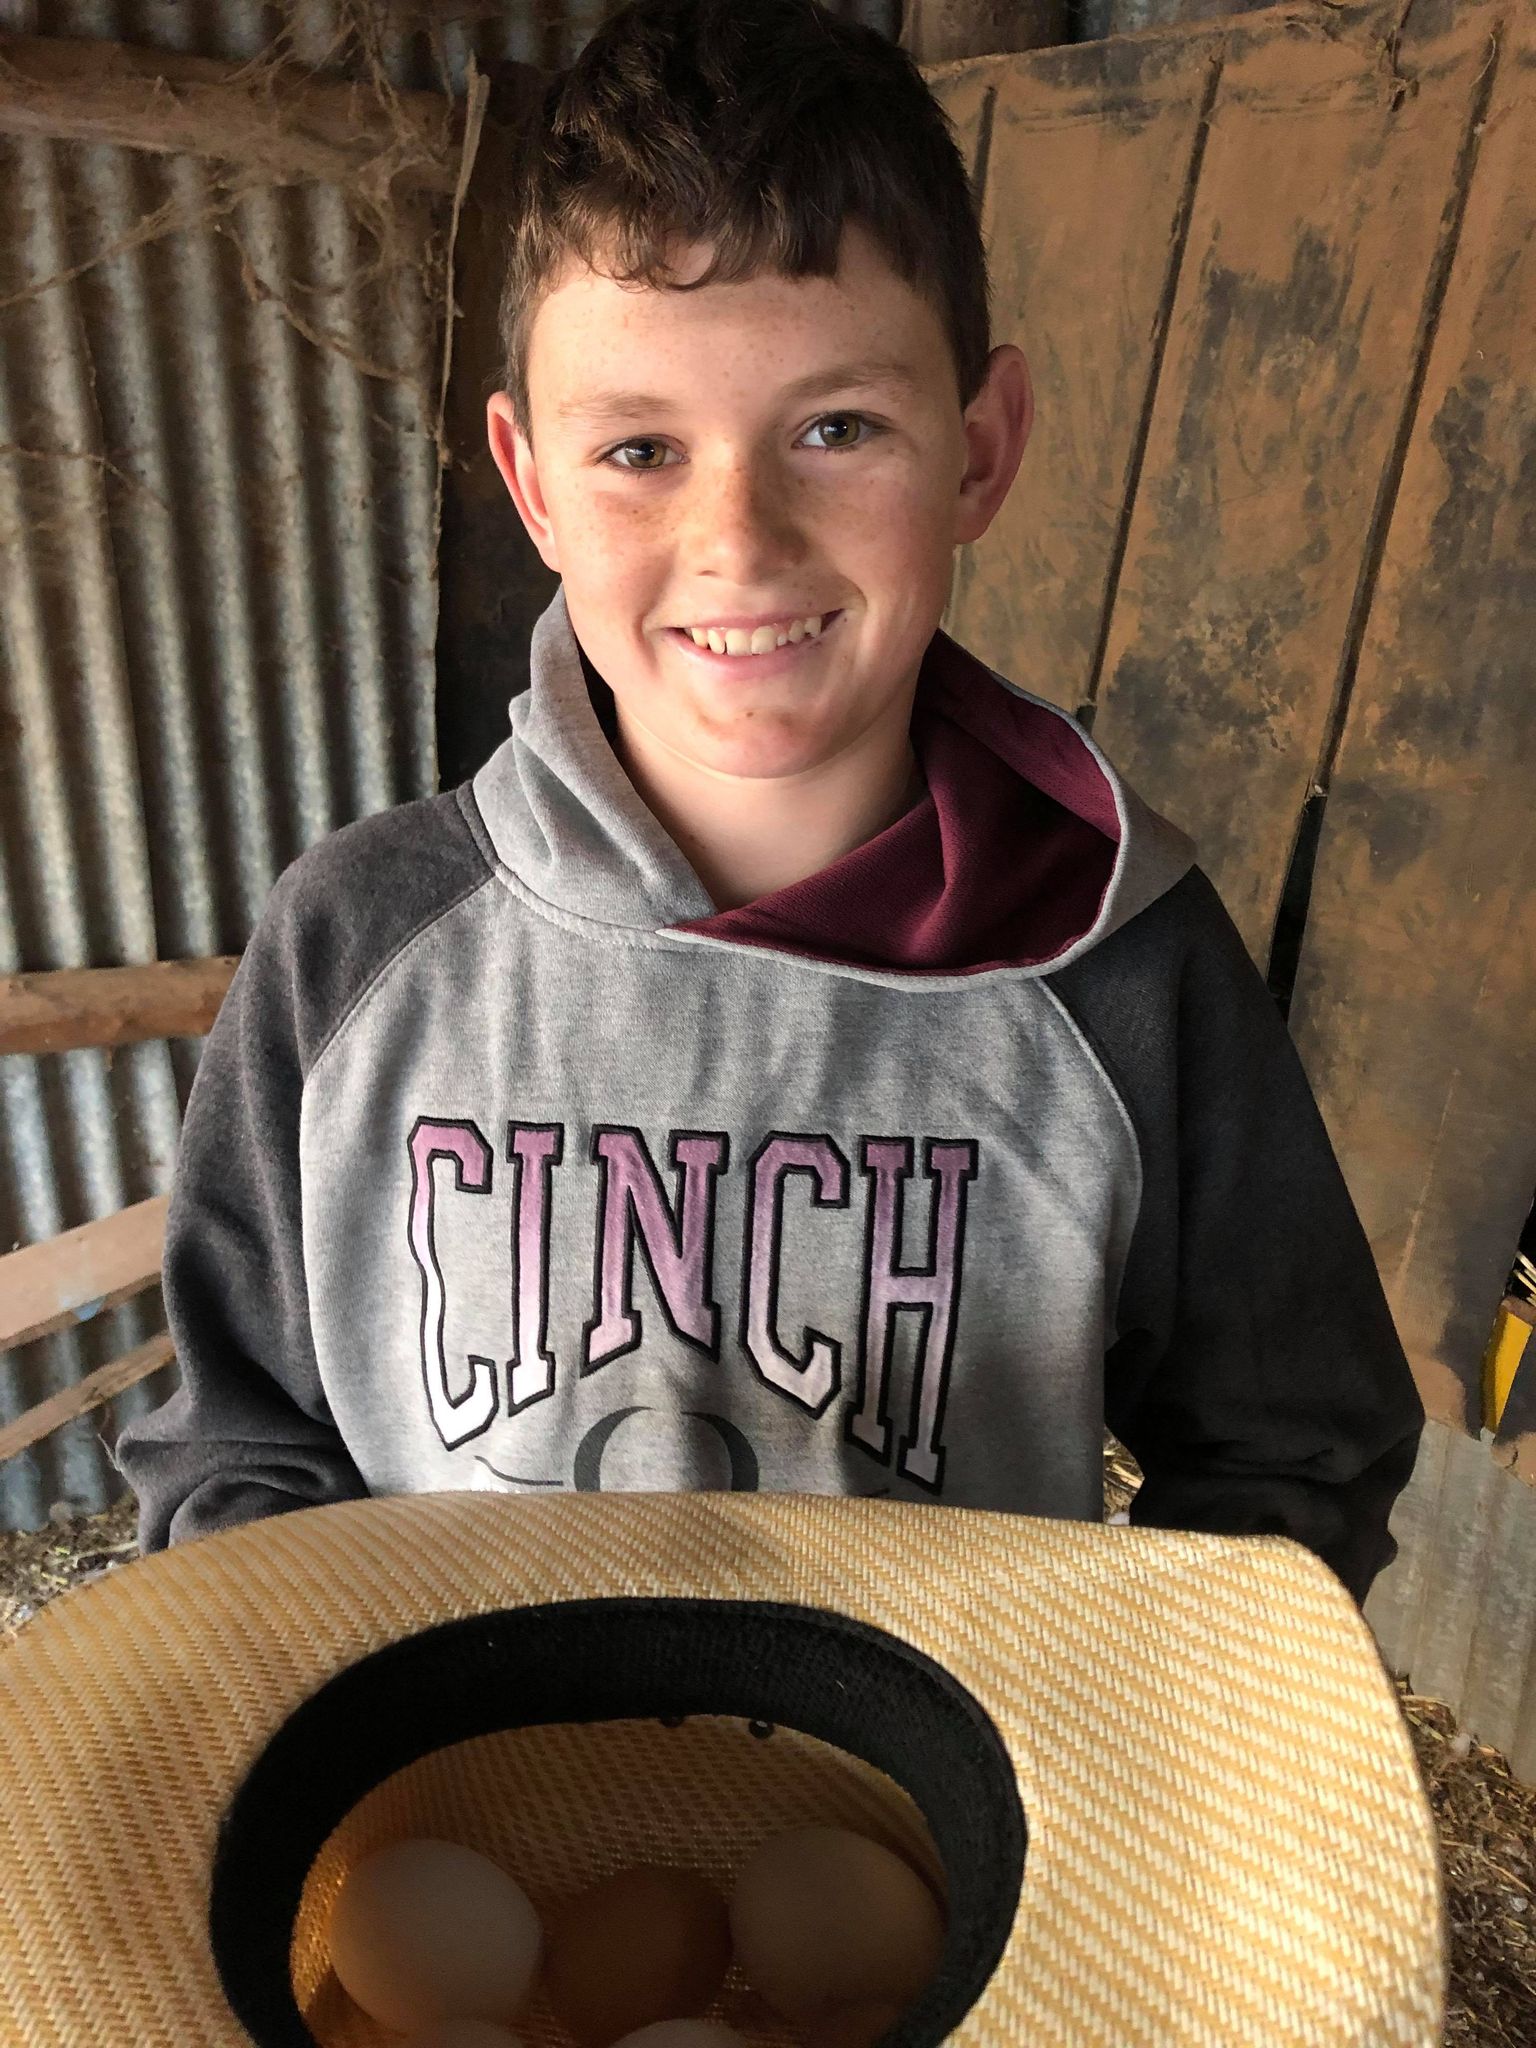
{"x":727,"y":492}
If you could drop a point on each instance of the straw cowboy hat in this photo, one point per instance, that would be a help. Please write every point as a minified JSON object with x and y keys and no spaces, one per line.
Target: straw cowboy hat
{"x":1160,"y":1780}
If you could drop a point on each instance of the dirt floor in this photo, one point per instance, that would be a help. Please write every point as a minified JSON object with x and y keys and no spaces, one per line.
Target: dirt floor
{"x":1487,"y":1821}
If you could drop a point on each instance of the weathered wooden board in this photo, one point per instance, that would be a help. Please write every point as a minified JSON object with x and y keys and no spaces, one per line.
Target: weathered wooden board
{"x":1087,"y":170}
{"x":44,"y":1286}
{"x":1415,"y":1001}
{"x":94,"y":1391}
{"x":74,"y":1007}
{"x":1291,"y":351}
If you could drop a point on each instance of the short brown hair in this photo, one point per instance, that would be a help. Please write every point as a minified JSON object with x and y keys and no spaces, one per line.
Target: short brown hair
{"x":759,"y":127}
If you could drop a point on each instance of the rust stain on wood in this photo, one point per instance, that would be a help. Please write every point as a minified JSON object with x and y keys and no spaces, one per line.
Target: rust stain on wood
{"x":1291,"y":355}
{"x":1081,"y":137}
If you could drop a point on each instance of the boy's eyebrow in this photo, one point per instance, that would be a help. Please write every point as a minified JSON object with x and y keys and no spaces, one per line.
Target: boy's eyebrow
{"x":838,"y":377}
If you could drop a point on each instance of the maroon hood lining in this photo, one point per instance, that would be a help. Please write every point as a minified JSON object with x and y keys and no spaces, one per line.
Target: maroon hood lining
{"x":1005,"y":861}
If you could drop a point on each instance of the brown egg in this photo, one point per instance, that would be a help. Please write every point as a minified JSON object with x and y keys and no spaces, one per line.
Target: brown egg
{"x":850,"y":2026}
{"x":822,"y":1917}
{"x":650,"y":1943}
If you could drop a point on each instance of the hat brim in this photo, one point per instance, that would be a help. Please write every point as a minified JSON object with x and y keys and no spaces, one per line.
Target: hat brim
{"x":1163,"y":1776}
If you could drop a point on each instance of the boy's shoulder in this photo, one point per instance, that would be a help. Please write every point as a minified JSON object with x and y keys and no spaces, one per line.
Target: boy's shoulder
{"x":1185,"y":929}
{"x":340,"y":912}
{"x":393,"y":861}
{"x":1176,"y":988}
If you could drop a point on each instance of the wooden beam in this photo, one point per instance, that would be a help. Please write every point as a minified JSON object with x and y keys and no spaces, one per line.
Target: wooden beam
{"x":295,"y":125}
{"x":45,"y":1286}
{"x":91,"y":1392}
{"x":77,"y":1007}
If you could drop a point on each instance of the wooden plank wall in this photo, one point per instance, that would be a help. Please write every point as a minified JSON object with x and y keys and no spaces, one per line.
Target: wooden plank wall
{"x":1274,"y":539}
{"x":1415,"y":1008}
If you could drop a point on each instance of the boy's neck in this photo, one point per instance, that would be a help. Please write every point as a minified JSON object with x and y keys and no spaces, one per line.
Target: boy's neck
{"x":746,"y":836}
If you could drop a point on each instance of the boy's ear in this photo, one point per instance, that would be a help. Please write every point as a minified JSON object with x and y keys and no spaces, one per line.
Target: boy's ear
{"x":514,"y":458}
{"x":997,"y":424}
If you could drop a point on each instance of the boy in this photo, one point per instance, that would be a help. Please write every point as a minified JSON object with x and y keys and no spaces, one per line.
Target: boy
{"x":797,"y":1060}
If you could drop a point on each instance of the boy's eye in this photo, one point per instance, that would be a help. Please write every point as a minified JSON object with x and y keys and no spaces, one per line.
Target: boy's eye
{"x":643,"y":468}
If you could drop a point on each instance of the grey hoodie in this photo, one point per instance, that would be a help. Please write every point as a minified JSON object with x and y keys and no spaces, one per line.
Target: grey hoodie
{"x":512,"y":1163}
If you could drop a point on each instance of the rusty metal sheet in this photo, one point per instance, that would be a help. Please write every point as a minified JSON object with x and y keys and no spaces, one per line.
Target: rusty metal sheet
{"x":1292,"y":347}
{"x":1416,"y":988}
{"x":1091,"y":157}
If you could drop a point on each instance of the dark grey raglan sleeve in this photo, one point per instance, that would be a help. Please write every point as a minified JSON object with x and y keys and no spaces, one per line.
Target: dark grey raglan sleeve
{"x":1256,"y":1374}
{"x":249,"y":1431}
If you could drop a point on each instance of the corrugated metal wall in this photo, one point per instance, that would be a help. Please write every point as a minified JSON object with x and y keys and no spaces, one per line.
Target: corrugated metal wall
{"x":217,"y":605}
{"x":216,"y":639}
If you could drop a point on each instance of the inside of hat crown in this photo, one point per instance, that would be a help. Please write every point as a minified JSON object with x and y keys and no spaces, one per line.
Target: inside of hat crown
{"x":572,"y":1741}
{"x":563,"y":1806}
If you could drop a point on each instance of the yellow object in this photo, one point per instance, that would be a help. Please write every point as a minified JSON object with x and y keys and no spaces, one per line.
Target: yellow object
{"x":1160,"y":1780}
{"x":1501,"y":1361}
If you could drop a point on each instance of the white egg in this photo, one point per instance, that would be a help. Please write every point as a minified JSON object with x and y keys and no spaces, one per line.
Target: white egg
{"x":683,"y":2034}
{"x":431,"y":1930}
{"x":822,"y":1917}
{"x":462,"y":2034}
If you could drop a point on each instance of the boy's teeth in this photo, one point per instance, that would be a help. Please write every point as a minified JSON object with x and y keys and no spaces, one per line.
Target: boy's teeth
{"x":761,"y":639}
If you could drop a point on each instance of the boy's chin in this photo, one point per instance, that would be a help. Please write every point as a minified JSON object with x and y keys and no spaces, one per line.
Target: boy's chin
{"x":763,"y":744}
{"x":759,"y":757}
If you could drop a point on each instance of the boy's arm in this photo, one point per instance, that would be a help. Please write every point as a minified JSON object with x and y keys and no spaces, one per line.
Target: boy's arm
{"x":248,"y":1432}
{"x":250,"y":1428}
{"x":1257,"y":1376}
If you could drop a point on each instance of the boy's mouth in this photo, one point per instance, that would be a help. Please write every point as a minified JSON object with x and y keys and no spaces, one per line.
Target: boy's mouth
{"x":769,"y":662}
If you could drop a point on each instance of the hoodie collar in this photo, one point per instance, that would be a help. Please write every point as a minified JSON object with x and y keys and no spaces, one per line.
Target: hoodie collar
{"x":1026,"y":849}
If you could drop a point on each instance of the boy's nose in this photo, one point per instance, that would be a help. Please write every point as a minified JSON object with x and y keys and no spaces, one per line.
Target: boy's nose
{"x":742,"y":515}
